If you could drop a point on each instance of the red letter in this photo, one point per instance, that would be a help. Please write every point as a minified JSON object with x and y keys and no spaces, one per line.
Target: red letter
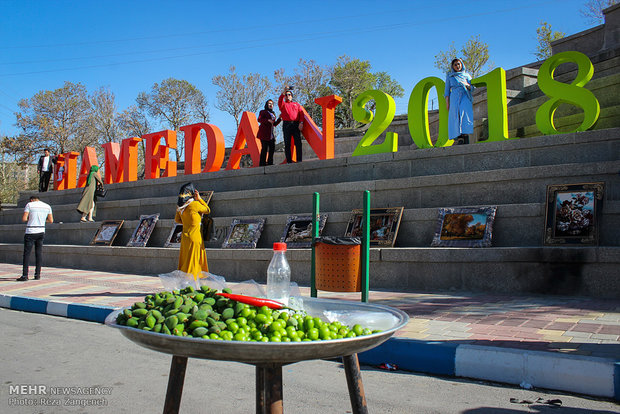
{"x":121,"y":162}
{"x":216,"y":147}
{"x":67,"y":160}
{"x":89,"y":158}
{"x":248,"y":129}
{"x":322,"y":144}
{"x":156,"y":155}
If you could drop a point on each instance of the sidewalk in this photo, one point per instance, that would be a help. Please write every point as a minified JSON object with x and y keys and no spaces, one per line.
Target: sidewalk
{"x":563,"y":343}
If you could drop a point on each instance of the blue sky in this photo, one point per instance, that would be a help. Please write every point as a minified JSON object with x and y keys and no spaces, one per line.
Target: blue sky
{"x":129,"y":45}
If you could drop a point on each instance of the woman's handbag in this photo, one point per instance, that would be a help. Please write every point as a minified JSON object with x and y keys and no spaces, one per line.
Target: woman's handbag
{"x":100,"y":191}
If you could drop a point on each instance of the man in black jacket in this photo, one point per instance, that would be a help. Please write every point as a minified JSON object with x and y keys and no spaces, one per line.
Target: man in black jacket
{"x":45,"y":168}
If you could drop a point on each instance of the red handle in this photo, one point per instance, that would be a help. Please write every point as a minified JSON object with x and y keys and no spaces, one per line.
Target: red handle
{"x":251,"y":300}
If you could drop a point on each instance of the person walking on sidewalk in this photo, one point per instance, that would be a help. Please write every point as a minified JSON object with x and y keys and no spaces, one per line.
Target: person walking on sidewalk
{"x":36,"y":214}
{"x":292,"y":125}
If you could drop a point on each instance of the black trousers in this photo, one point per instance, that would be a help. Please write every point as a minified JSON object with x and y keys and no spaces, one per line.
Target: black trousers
{"x":35,"y":240}
{"x":290,"y":129}
{"x":44,"y":180}
{"x":266,"y":152}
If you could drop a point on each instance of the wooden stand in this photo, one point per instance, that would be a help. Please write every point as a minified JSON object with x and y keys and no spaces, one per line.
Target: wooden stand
{"x":269,"y":398}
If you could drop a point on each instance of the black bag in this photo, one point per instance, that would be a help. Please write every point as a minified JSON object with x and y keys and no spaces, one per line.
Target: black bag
{"x":100,"y":191}
{"x":207,"y":227}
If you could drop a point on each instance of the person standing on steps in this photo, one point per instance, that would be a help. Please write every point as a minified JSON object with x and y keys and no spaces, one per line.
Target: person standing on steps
{"x":268,"y":121}
{"x":88,"y":202}
{"x":459,"y":103}
{"x":36,"y":214}
{"x":292,"y":125}
{"x":45,"y":167}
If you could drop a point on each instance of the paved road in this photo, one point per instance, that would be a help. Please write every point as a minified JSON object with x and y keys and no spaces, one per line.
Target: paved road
{"x":53,"y":352}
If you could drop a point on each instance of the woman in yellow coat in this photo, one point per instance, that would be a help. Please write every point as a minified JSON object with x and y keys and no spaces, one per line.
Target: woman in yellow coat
{"x":191,"y":207}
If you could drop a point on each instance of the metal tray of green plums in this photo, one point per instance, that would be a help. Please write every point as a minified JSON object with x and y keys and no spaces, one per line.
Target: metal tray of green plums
{"x":385,"y":318}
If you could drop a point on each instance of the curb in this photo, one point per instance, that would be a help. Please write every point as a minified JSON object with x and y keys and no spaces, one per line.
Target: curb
{"x":572,"y":373}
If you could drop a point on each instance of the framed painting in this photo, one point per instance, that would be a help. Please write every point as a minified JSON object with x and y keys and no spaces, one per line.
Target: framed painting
{"x":143,"y":231}
{"x":206,"y":195}
{"x":384,"y":224}
{"x":174,"y":238}
{"x":107,"y":232}
{"x":464,"y":227}
{"x":298,"y":231}
{"x":573,"y":212}
{"x":244,"y":234}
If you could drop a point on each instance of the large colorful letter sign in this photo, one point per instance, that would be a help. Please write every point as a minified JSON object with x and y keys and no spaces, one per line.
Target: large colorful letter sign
{"x":573,"y":94}
{"x":497,"y":106}
{"x":156,"y":156}
{"x":121,"y":161}
{"x":417,"y":114}
{"x":322,"y":143}
{"x":89,"y":158}
{"x":67,"y":161}
{"x":246,"y":134}
{"x":215,"y":148}
{"x":384,"y":114}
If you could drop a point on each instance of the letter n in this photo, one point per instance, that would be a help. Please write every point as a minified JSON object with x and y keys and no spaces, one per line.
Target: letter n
{"x":322,"y":143}
{"x":246,"y":134}
{"x":121,"y":161}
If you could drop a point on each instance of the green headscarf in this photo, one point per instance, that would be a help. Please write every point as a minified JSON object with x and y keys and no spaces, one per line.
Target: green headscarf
{"x":93,"y":171}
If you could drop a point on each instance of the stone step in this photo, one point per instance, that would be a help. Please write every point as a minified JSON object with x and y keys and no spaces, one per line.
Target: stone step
{"x":515,"y":225}
{"x":579,"y":271}
{"x":589,"y":146}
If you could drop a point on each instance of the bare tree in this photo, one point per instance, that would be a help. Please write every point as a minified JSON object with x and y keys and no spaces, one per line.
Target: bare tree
{"x":241,"y":93}
{"x":593,"y":10}
{"x":58,"y":119}
{"x":475,"y":56}
{"x":174,"y":103}
{"x":103,"y":116}
{"x":310,"y":81}
{"x":545,"y":35}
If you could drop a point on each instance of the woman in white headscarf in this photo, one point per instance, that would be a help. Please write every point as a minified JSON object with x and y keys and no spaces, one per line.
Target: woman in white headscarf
{"x":459,"y":103}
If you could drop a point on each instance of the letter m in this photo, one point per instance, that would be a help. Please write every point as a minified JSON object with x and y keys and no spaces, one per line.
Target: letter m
{"x":121,"y":161}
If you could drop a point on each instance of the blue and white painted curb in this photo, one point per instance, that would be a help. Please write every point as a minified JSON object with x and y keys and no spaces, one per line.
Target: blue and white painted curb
{"x":70,"y":310}
{"x":551,"y":370}
{"x":572,"y":373}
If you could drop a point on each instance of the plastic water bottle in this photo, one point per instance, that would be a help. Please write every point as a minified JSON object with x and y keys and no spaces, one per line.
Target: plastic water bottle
{"x":279,"y":275}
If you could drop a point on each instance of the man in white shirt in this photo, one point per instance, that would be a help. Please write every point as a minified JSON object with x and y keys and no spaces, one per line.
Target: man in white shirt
{"x":36,"y":214}
{"x":45,"y":168}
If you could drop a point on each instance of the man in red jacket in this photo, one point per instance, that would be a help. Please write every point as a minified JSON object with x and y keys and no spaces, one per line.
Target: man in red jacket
{"x":292,"y":124}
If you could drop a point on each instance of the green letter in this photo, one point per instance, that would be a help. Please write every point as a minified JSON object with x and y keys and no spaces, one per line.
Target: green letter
{"x":384,"y":114}
{"x":417,"y":116}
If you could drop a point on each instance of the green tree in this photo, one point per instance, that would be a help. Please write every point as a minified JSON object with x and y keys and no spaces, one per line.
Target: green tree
{"x":239,"y":93}
{"x":58,"y":119}
{"x":349,"y":78}
{"x":174,"y":103}
{"x":474,"y":54}
{"x":545,"y":35}
{"x":593,"y":10}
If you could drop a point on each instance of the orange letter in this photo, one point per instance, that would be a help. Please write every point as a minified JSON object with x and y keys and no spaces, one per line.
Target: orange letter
{"x":68,"y":160}
{"x":89,"y":158}
{"x":156,"y":155}
{"x":215,"y":148}
{"x":248,"y":129}
{"x":322,"y":143}
{"x":121,"y":161}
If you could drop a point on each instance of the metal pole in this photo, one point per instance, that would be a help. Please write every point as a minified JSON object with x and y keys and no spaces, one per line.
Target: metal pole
{"x":366,"y":247}
{"x":315,"y":235}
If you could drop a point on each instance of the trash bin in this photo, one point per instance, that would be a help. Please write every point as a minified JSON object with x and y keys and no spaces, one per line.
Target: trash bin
{"x":338,"y":264}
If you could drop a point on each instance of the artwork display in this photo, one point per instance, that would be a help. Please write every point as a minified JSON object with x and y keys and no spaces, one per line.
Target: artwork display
{"x":107,"y":232}
{"x":206,"y":196}
{"x":298,"y":231}
{"x":572,"y":213}
{"x":384,"y":224}
{"x":143,"y":231}
{"x":464,"y":227}
{"x":244,"y":234}
{"x":174,"y":238}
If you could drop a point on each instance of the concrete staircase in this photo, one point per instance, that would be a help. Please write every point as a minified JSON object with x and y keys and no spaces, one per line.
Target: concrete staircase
{"x":512,"y":175}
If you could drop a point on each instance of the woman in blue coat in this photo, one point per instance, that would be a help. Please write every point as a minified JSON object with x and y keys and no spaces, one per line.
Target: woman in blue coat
{"x":459,"y":103}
